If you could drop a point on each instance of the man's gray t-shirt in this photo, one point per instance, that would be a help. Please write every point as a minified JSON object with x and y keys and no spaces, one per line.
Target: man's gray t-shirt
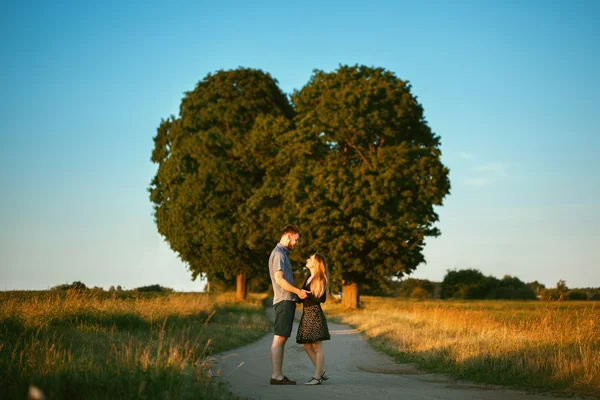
{"x":279,"y":261}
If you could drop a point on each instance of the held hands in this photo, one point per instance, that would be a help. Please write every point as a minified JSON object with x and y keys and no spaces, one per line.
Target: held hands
{"x":303,"y":294}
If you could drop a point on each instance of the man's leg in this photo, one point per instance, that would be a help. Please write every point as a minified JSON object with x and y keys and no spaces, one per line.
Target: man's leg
{"x":277,"y":349}
{"x":284,"y":318}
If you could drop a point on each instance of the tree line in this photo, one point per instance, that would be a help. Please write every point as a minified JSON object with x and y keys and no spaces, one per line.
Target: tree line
{"x":78,"y":285}
{"x":349,"y":158}
{"x":466,"y":284}
{"x":472,"y":284}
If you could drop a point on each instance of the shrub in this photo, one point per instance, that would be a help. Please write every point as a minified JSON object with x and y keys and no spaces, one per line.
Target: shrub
{"x":420,"y":294}
{"x":407,"y":287}
{"x":472,"y":284}
{"x":153,"y":288}
{"x":576,"y":294}
{"x":463,"y":284}
{"x":75,"y":285}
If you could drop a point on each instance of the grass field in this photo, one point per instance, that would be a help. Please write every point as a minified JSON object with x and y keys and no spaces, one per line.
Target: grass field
{"x":547,"y":346}
{"x":86,"y":344}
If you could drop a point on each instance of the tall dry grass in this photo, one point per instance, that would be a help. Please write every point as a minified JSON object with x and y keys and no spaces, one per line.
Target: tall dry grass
{"x":85,"y":344}
{"x":535,"y":345}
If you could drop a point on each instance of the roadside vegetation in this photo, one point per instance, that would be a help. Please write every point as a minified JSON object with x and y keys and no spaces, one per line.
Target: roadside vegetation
{"x":79,"y":343}
{"x":151,"y":342}
{"x":541,"y":346}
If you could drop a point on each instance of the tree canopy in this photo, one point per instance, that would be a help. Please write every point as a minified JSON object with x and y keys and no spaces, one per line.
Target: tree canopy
{"x":352,"y":162}
{"x":209,"y":163}
{"x":359,"y":170}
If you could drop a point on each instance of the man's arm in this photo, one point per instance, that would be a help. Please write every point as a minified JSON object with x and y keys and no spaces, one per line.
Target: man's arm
{"x":285,"y":285}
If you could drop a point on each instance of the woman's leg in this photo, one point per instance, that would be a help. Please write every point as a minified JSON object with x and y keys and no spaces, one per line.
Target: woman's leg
{"x":319,"y":359}
{"x":311,"y":353}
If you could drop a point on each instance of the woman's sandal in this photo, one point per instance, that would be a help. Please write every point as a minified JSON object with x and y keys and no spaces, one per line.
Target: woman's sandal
{"x":324,"y":377}
{"x":313,"y":381}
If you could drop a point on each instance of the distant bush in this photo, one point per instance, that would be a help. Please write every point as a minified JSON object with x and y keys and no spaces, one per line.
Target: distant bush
{"x":536,"y":287}
{"x":561,"y":292}
{"x":576,"y":294}
{"x":466,"y":284}
{"x":524,"y":293}
{"x":472,"y":284}
{"x":420,"y":294}
{"x":407,"y":287}
{"x":153,"y":288}
{"x":512,"y":288}
{"x":75,"y":285}
{"x":551,"y":294}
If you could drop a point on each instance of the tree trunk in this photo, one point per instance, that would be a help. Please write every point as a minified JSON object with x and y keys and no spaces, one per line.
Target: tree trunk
{"x":241,"y":287}
{"x":350,"y":297}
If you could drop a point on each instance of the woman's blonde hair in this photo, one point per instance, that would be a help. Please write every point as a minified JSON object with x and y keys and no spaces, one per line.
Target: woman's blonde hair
{"x":319,"y":282}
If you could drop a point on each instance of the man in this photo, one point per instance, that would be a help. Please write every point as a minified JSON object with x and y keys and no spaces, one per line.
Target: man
{"x":284,"y":300}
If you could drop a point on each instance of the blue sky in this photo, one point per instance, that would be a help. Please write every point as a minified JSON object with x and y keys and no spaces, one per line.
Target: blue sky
{"x":512,"y":89}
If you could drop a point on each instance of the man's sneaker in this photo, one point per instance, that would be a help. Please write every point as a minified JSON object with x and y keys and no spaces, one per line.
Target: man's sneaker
{"x":282,"y":381}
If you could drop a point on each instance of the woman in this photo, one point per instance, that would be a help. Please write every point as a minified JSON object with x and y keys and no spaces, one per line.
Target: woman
{"x":313,"y":325}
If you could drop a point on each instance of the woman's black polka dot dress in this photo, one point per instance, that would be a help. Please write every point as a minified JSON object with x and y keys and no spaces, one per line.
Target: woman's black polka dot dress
{"x":313,"y":325}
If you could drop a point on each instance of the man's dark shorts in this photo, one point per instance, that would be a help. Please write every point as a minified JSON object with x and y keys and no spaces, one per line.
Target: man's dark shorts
{"x":284,"y":317}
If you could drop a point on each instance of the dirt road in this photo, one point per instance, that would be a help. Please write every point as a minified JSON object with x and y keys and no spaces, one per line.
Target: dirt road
{"x":356,"y":372}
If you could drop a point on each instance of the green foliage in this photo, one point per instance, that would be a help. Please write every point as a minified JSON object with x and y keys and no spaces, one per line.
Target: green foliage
{"x":592,"y":293}
{"x":380,"y":289}
{"x":258,"y":283}
{"x":536,"y":287}
{"x":464,"y":284}
{"x":354,"y":164}
{"x":210,"y":161}
{"x":419,"y":293}
{"x":153,"y":288}
{"x":75,"y":285}
{"x":359,"y":171}
{"x":512,"y":288}
{"x":407,"y":287}
{"x":551,"y":294}
{"x":472,"y":284}
{"x":576,"y":294}
{"x":562,"y":292}
{"x":524,"y":293}
{"x":561,"y":287}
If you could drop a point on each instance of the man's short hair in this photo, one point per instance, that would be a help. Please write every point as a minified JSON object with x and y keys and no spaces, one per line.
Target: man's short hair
{"x":290,"y":229}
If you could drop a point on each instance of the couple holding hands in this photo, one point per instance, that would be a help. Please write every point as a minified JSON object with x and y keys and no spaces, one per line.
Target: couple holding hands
{"x":312,"y":329}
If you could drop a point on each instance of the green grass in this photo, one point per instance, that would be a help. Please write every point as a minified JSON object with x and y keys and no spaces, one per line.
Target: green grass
{"x":86,"y":344}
